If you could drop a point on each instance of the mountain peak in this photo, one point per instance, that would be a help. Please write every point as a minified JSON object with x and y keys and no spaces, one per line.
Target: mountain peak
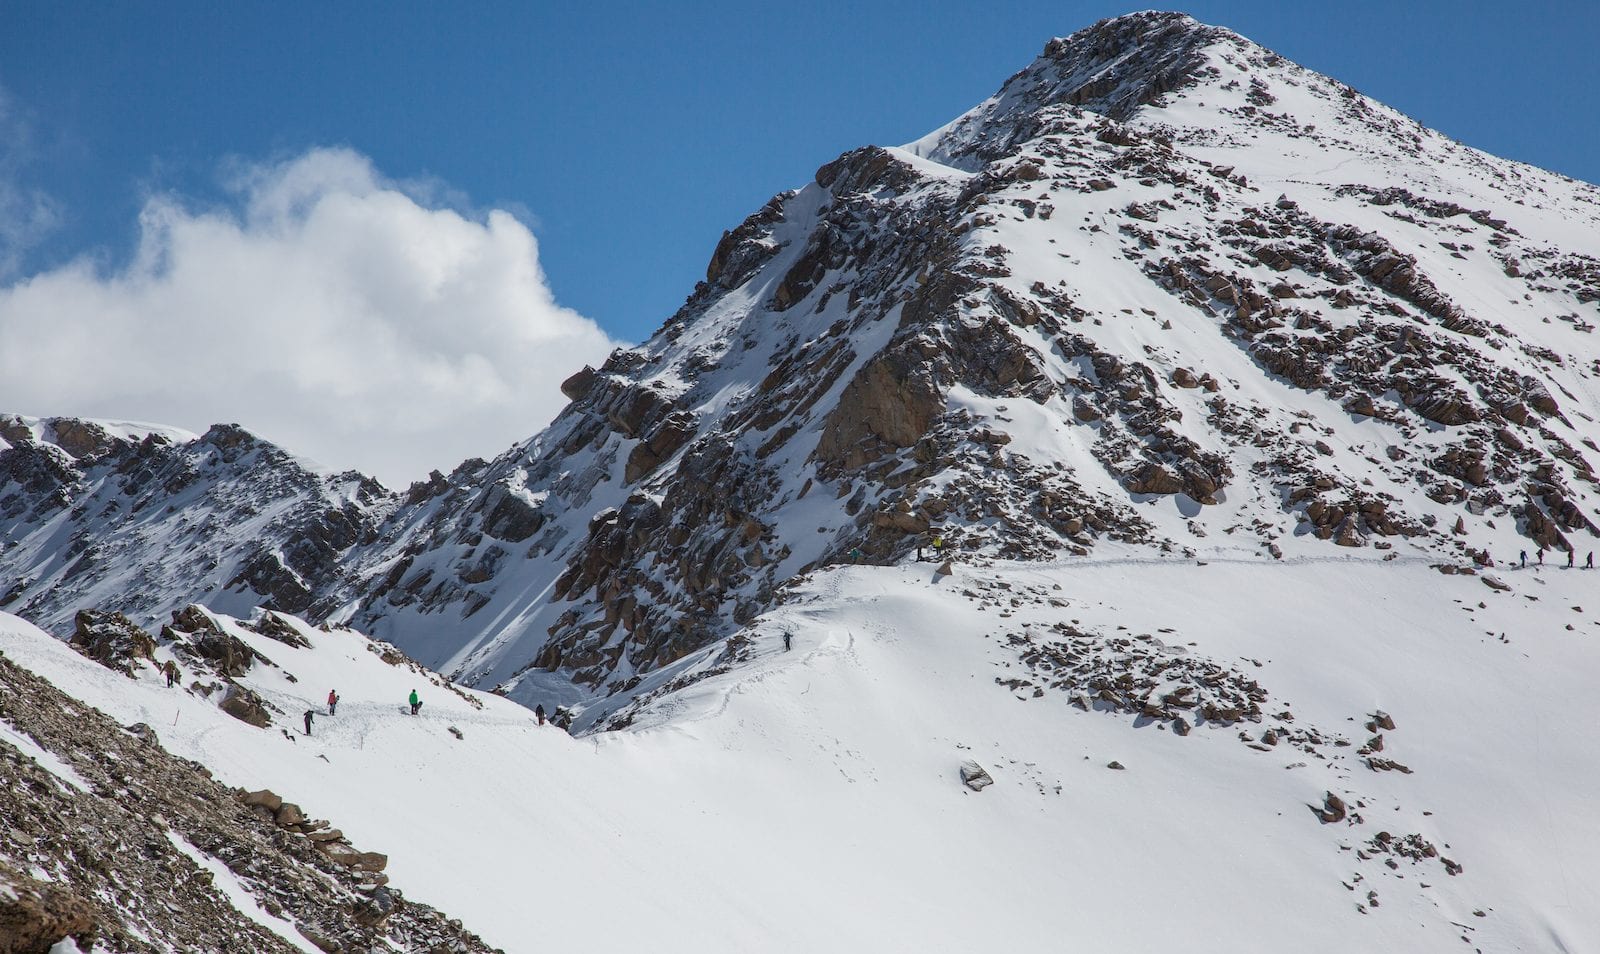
{"x":1113,"y":68}
{"x":1122,"y":63}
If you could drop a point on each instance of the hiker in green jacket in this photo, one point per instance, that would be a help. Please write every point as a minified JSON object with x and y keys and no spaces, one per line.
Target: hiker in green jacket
{"x":416,"y":703}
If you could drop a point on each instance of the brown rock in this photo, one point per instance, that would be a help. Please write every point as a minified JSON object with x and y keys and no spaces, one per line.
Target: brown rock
{"x":266,"y":798}
{"x":577,"y":387}
{"x":1155,"y":478}
{"x":245,"y":706}
{"x":36,"y":915}
{"x":1333,"y":809}
{"x":887,"y":400}
{"x":112,"y":640}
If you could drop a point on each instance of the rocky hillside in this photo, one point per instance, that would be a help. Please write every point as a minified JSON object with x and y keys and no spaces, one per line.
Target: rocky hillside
{"x":131,"y":518}
{"x":114,"y":843}
{"x":1164,"y":291}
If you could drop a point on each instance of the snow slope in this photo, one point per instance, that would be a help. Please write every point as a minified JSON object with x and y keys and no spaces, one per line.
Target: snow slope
{"x":810,"y":799}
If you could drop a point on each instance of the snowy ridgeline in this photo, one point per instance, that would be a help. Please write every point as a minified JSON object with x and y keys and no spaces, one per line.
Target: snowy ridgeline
{"x":828,"y":778}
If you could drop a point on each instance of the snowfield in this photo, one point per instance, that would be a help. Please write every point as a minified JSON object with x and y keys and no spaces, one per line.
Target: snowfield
{"x":811,"y":799}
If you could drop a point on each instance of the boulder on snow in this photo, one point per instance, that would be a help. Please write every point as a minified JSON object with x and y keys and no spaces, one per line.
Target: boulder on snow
{"x":245,"y":706}
{"x":1332,"y":810}
{"x":974,"y":777}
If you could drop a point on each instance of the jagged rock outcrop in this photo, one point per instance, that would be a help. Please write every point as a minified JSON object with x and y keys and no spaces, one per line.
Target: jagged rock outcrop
{"x":112,"y":640}
{"x":154,"y":520}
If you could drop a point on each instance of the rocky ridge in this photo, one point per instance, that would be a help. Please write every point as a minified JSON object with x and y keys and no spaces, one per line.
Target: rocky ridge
{"x":132,"y":519}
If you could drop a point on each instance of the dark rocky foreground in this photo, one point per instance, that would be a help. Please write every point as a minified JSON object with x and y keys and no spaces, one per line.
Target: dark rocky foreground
{"x":104,"y":865}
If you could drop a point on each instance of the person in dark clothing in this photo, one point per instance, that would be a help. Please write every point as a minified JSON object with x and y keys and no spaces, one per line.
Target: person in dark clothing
{"x":538,"y":712}
{"x":333,"y":700}
{"x":1589,"y":563}
{"x":1523,"y":556}
{"x":1572,"y":554}
{"x":309,"y":715}
{"x":416,"y":703}
{"x":788,"y":639}
{"x":1541,"y":556}
{"x":171,"y":671}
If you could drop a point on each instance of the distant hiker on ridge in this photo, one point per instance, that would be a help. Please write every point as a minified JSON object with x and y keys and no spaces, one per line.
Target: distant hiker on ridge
{"x":538,"y":712}
{"x":1589,"y":563}
{"x":1523,"y":556}
{"x":333,"y":700}
{"x":788,"y":638}
{"x":416,"y":703}
{"x":309,"y":715}
{"x":170,"y":668}
{"x":1541,"y":556}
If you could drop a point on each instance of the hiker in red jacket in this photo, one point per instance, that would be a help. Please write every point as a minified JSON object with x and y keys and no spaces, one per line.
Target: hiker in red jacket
{"x":333,"y":700}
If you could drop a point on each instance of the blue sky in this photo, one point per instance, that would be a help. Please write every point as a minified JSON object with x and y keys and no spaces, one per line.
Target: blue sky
{"x":381,"y":234}
{"x":630,"y":135}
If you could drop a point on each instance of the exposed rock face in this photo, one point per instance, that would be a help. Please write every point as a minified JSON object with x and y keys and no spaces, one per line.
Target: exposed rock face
{"x":154,"y":522}
{"x":117,"y":844}
{"x":112,"y":640}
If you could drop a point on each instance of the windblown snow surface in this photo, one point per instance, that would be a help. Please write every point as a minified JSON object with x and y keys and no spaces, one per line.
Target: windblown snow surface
{"x":811,"y":799}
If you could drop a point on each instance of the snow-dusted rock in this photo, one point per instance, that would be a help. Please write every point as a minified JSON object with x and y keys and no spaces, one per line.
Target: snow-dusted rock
{"x":974,"y":776}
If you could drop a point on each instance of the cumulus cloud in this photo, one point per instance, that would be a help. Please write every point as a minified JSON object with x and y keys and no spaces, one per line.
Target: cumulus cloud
{"x":342,"y":315}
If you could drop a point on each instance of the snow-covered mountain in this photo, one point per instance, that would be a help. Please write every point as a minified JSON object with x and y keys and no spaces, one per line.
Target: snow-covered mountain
{"x":130,"y":517}
{"x":1221,"y":399}
{"x":1165,"y":288}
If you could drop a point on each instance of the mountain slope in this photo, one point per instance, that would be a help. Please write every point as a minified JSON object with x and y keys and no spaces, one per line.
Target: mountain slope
{"x":144,"y":519}
{"x":1246,"y":310}
{"x":1164,"y":288}
{"x":1232,"y":396}
{"x":813,"y":797}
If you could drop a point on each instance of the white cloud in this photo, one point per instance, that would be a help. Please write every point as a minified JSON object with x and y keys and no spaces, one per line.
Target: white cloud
{"x":331,"y":311}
